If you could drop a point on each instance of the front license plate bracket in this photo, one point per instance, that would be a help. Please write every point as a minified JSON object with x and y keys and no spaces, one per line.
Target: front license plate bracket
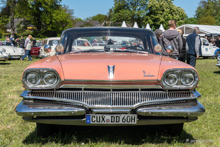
{"x":111,"y":119}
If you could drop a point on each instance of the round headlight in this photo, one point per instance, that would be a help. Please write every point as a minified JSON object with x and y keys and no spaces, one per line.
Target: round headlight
{"x":33,"y":78}
{"x":187,"y":78}
{"x":50,"y":78}
{"x":171,"y":79}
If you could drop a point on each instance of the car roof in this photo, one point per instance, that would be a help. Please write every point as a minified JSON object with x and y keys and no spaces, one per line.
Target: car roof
{"x":127,"y":30}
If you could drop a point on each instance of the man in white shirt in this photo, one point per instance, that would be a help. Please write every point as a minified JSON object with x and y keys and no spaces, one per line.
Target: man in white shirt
{"x":27,"y":46}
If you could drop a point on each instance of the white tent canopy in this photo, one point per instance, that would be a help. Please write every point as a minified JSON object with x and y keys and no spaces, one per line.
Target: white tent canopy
{"x":124,"y":24}
{"x":135,"y":25}
{"x":204,"y":29}
{"x":161,"y":27}
{"x":148,"y":26}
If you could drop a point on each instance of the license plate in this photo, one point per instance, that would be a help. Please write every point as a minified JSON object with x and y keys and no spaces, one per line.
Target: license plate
{"x":111,"y":119}
{"x":15,"y":56}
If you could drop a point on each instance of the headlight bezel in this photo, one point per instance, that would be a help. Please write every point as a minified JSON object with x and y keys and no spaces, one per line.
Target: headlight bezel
{"x":41,"y":84}
{"x":179,"y":84}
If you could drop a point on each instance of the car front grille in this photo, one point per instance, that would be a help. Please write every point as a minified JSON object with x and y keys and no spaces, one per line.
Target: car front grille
{"x":112,"y":98}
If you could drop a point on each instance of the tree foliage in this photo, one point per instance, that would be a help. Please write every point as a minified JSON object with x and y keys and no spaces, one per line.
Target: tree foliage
{"x":154,"y":12}
{"x":48,"y":16}
{"x":161,"y":11}
{"x":100,"y":17}
{"x":191,"y":20}
{"x":208,"y":12}
{"x":129,"y":10}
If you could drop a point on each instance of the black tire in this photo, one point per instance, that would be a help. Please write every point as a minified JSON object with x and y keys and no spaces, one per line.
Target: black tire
{"x":173,"y":129}
{"x":45,"y":130}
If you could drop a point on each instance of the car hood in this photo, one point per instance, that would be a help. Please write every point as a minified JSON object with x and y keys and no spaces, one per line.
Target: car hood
{"x":11,"y":49}
{"x":94,"y":66}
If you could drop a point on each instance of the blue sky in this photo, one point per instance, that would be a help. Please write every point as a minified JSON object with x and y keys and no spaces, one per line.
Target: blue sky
{"x":86,"y":8}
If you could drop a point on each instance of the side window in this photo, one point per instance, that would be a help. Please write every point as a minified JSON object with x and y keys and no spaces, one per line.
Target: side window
{"x":205,"y":42}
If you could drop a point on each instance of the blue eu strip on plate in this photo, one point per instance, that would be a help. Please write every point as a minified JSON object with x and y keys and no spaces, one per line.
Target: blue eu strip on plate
{"x":88,"y":119}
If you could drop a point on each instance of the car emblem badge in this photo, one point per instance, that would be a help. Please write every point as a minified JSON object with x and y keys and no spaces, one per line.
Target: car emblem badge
{"x":111,"y":70}
{"x":147,"y":75}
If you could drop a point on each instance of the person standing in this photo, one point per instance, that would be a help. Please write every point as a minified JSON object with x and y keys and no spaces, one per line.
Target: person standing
{"x":27,"y":46}
{"x":34,"y":41}
{"x":193,"y":45}
{"x":182,"y":55}
{"x":159,"y":33}
{"x":218,"y":42}
{"x":171,"y":37}
{"x":22,"y":42}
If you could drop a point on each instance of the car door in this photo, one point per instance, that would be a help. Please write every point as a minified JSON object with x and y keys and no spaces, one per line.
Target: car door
{"x":206,"y":48}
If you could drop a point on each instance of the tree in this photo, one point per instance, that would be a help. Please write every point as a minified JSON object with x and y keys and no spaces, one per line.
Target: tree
{"x":100,"y":17}
{"x":129,"y":10}
{"x":208,"y":12}
{"x":161,"y":11}
{"x":191,"y":20}
{"x":48,"y":16}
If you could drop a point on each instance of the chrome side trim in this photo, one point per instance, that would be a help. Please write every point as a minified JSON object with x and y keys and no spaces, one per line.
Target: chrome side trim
{"x":109,"y":111}
{"x":113,"y":86}
{"x":193,"y":111}
{"x":24,"y":110}
{"x":82,"y":122}
{"x":111,"y":81}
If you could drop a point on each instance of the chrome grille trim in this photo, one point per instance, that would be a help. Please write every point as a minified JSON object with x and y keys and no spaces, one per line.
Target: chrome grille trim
{"x":111,"y":99}
{"x":112,"y":86}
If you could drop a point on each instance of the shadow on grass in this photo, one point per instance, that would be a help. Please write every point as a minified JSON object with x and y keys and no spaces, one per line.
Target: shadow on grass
{"x":4,"y":63}
{"x":115,"y":135}
{"x":217,"y":72}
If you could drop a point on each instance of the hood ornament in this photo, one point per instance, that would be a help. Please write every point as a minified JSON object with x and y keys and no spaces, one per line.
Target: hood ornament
{"x":147,"y":75}
{"x":111,"y":70}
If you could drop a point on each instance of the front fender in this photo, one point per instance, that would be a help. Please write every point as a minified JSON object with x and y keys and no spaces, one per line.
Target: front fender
{"x":216,"y":52}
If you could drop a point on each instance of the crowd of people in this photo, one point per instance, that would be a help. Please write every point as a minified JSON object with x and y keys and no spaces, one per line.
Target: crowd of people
{"x":24,"y":43}
{"x":183,"y":48}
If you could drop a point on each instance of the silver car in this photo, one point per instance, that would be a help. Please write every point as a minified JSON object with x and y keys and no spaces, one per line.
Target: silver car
{"x":3,"y":55}
{"x":13,"y":52}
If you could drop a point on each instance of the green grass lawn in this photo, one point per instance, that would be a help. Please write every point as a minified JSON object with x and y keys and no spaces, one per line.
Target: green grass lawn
{"x":16,"y":132}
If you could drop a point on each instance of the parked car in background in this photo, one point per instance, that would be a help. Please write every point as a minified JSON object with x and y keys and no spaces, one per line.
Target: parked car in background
{"x":13,"y":52}
{"x":207,"y":49}
{"x":110,"y":86}
{"x":5,"y":43}
{"x":35,"y":50}
{"x":53,"y":41}
{"x":3,"y":55}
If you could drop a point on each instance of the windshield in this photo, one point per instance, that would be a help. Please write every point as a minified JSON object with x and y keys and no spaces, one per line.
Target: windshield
{"x":108,"y":40}
{"x":53,"y":42}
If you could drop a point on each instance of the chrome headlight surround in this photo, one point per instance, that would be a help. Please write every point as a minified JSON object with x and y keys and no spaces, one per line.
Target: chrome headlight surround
{"x":22,"y":50}
{"x":180,"y":79}
{"x":4,"y":50}
{"x":41,"y":75}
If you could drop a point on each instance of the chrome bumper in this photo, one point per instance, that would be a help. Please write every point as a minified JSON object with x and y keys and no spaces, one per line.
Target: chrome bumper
{"x":157,"y":115}
{"x":218,"y":65}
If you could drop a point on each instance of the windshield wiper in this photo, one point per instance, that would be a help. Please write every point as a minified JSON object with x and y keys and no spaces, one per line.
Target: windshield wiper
{"x":85,"y":51}
{"x":129,"y":50}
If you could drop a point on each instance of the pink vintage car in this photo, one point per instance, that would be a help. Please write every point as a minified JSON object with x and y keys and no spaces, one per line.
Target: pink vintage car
{"x":127,"y":82}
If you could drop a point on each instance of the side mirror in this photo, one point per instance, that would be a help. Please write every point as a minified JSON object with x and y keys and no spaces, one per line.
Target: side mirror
{"x":170,"y":49}
{"x":59,"y":48}
{"x":158,"y":48}
{"x":47,"y":48}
